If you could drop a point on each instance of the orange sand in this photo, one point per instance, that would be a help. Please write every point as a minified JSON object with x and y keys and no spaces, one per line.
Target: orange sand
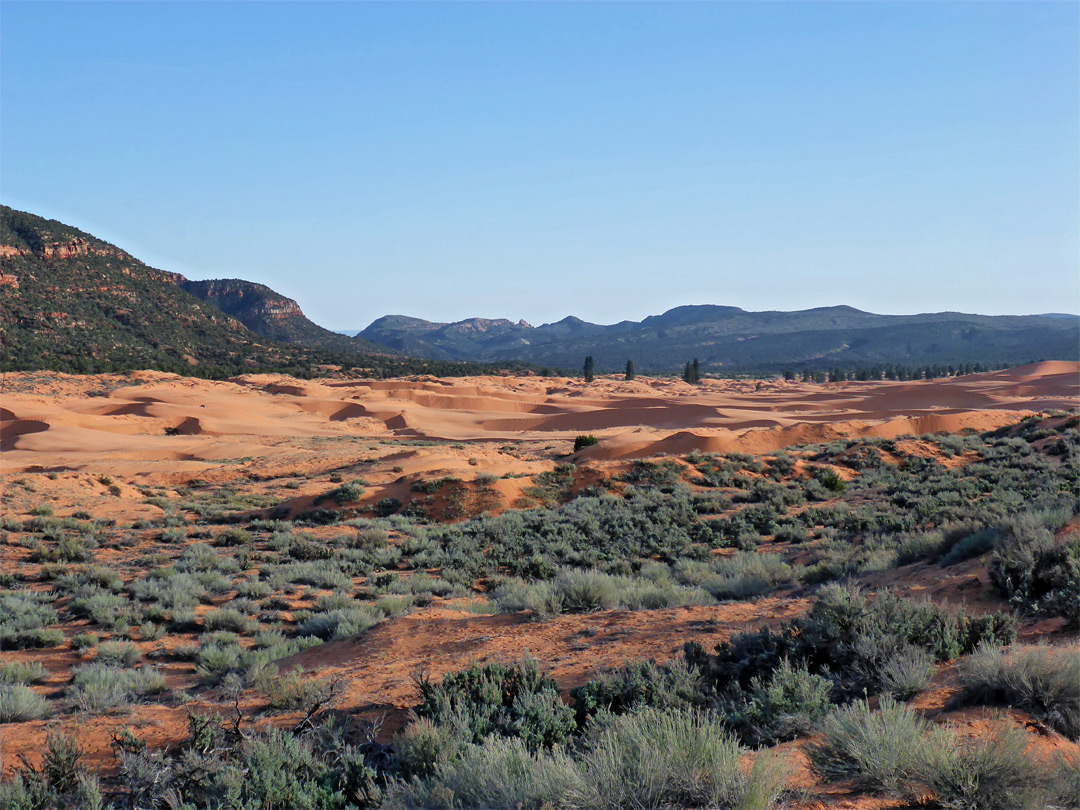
{"x":269,"y":423}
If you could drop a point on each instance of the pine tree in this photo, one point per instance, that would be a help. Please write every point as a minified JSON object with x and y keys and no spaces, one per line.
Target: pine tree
{"x":688,"y":373}
{"x":695,"y":372}
{"x":629,"y":369}
{"x":589,"y":369}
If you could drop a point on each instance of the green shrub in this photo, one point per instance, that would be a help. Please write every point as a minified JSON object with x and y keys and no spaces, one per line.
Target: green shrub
{"x":914,"y":547}
{"x":96,"y":688}
{"x":424,"y":746}
{"x":878,"y":751}
{"x":215,"y":660}
{"x":83,"y":641}
{"x":23,"y":618}
{"x":276,"y":769}
{"x":24,"y":672}
{"x":88,"y":795}
{"x":117,"y":654}
{"x":387,"y":507}
{"x":230,"y":538}
{"x":1035,"y":573}
{"x":253,"y":589}
{"x":1064,"y":774}
{"x":341,"y":623}
{"x":581,"y":591}
{"x":60,"y":761}
{"x":515,"y":700}
{"x":37,"y":639}
{"x":346,"y":493}
{"x":228,"y":619}
{"x":907,"y":673}
{"x":394,"y":605}
{"x":970,"y":546}
{"x":583,"y":441}
{"x":978,"y":773}
{"x":585,"y":591}
{"x":1041,"y":680}
{"x":175,"y":534}
{"x":146,"y":681}
{"x":499,"y":773}
{"x":637,"y":685}
{"x":294,"y":690}
{"x":787,"y":705}
{"x":307,"y":550}
{"x":170,"y":589}
{"x":20,"y":703}
{"x":104,"y":608}
{"x":747,"y":574}
{"x":424,"y":584}
{"x":675,"y":758}
{"x":540,"y":598}
{"x":830,"y":479}
{"x":635,"y":593}
{"x":183,"y":620}
{"x":847,"y":633}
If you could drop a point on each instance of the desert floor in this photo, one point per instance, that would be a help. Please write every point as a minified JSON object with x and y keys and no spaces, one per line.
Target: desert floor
{"x":136,"y":446}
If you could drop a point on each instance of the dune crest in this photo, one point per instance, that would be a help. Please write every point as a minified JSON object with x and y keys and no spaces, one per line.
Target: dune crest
{"x":146,"y":418}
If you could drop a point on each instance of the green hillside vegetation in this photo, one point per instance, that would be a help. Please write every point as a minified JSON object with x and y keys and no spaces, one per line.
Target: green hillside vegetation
{"x":72,"y":302}
{"x":82,"y":304}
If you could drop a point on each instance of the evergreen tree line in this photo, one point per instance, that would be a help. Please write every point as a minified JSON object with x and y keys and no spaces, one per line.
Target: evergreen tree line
{"x":692,"y":372}
{"x":893,"y":372}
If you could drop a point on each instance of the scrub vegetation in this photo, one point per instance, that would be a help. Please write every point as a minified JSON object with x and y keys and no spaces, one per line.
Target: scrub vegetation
{"x":201,"y":609}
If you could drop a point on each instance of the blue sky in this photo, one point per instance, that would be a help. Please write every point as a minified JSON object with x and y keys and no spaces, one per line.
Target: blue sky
{"x":534,"y":160}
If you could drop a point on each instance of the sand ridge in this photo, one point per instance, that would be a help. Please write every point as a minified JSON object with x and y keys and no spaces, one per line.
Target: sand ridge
{"x":162,"y":417}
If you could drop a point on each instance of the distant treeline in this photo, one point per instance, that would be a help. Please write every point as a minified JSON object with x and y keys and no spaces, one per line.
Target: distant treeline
{"x":692,"y":372}
{"x":892,"y":372}
{"x":307,"y":365}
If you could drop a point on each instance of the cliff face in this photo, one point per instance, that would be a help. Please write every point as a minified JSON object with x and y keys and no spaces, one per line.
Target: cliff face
{"x":251,"y":304}
{"x":272,"y":315}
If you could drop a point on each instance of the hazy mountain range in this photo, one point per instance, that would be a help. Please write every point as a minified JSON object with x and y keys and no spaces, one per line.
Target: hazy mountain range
{"x":726,"y":338}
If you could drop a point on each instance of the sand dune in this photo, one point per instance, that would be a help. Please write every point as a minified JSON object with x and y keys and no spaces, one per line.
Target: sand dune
{"x":146,"y":418}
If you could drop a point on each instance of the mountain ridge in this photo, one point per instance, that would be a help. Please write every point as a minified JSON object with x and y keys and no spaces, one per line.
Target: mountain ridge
{"x":728,"y":338}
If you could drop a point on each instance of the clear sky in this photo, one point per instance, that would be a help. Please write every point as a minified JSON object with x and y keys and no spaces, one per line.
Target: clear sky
{"x":534,"y":160}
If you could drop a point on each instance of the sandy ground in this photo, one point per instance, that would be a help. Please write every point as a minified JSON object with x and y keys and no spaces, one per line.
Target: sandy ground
{"x":160,"y":429}
{"x":136,"y":445}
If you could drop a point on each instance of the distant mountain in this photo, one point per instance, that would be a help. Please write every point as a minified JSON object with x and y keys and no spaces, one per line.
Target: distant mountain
{"x":730,"y":339}
{"x":272,"y":315}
